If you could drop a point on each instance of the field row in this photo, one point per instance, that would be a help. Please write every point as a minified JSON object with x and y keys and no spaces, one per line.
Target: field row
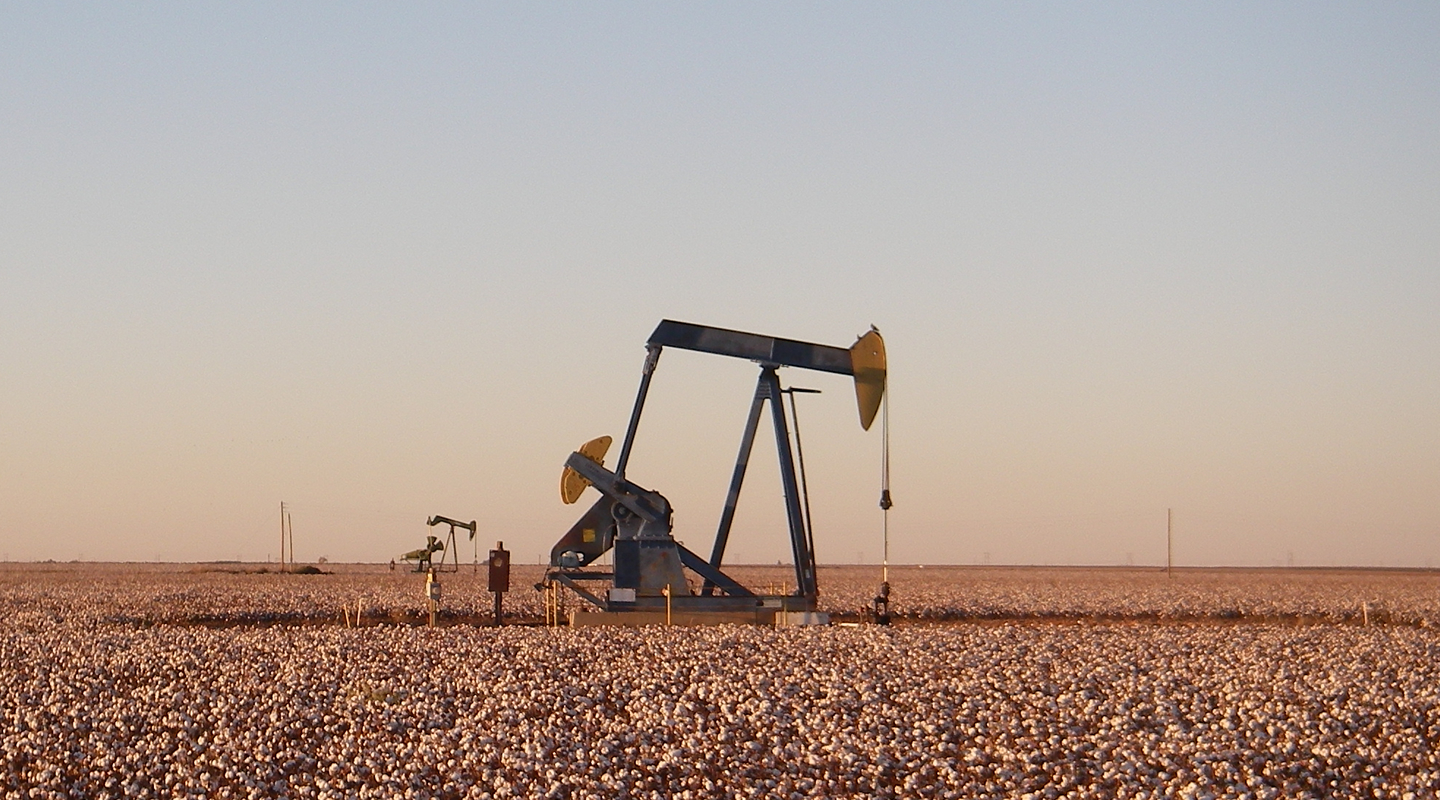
{"x":148,"y":594}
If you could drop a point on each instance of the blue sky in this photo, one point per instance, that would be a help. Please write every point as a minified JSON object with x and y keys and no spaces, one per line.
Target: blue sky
{"x":385,"y":261}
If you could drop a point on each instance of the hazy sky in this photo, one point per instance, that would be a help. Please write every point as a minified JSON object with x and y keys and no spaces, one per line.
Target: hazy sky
{"x":388,"y":261}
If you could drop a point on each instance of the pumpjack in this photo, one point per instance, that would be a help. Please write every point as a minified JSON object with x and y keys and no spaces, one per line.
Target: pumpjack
{"x":648,"y":580}
{"x":434,"y":544}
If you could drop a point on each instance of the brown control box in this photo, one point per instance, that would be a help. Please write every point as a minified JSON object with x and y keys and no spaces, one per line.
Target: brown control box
{"x":499,"y":568}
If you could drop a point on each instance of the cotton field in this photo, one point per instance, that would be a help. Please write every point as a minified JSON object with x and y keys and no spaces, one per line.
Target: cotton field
{"x":221,"y":595}
{"x":111,"y":689}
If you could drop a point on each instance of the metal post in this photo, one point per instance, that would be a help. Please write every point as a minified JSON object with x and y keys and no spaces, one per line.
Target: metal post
{"x":652,"y":358}
{"x":737,"y":479}
{"x":804,"y":559}
{"x":1169,"y":542}
{"x":499,"y":582}
{"x":800,"y":457}
{"x":666,"y":592}
{"x":432,"y":593}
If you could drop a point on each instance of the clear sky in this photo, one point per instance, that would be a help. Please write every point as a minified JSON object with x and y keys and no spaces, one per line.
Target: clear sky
{"x":393,"y":260}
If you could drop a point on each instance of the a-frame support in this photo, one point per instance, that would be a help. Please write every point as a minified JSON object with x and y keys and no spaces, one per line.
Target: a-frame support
{"x":767,"y":388}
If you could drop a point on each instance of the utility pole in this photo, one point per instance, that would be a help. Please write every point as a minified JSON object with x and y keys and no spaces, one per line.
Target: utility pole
{"x":287,"y":534}
{"x":1169,"y":542}
{"x":282,"y":535}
